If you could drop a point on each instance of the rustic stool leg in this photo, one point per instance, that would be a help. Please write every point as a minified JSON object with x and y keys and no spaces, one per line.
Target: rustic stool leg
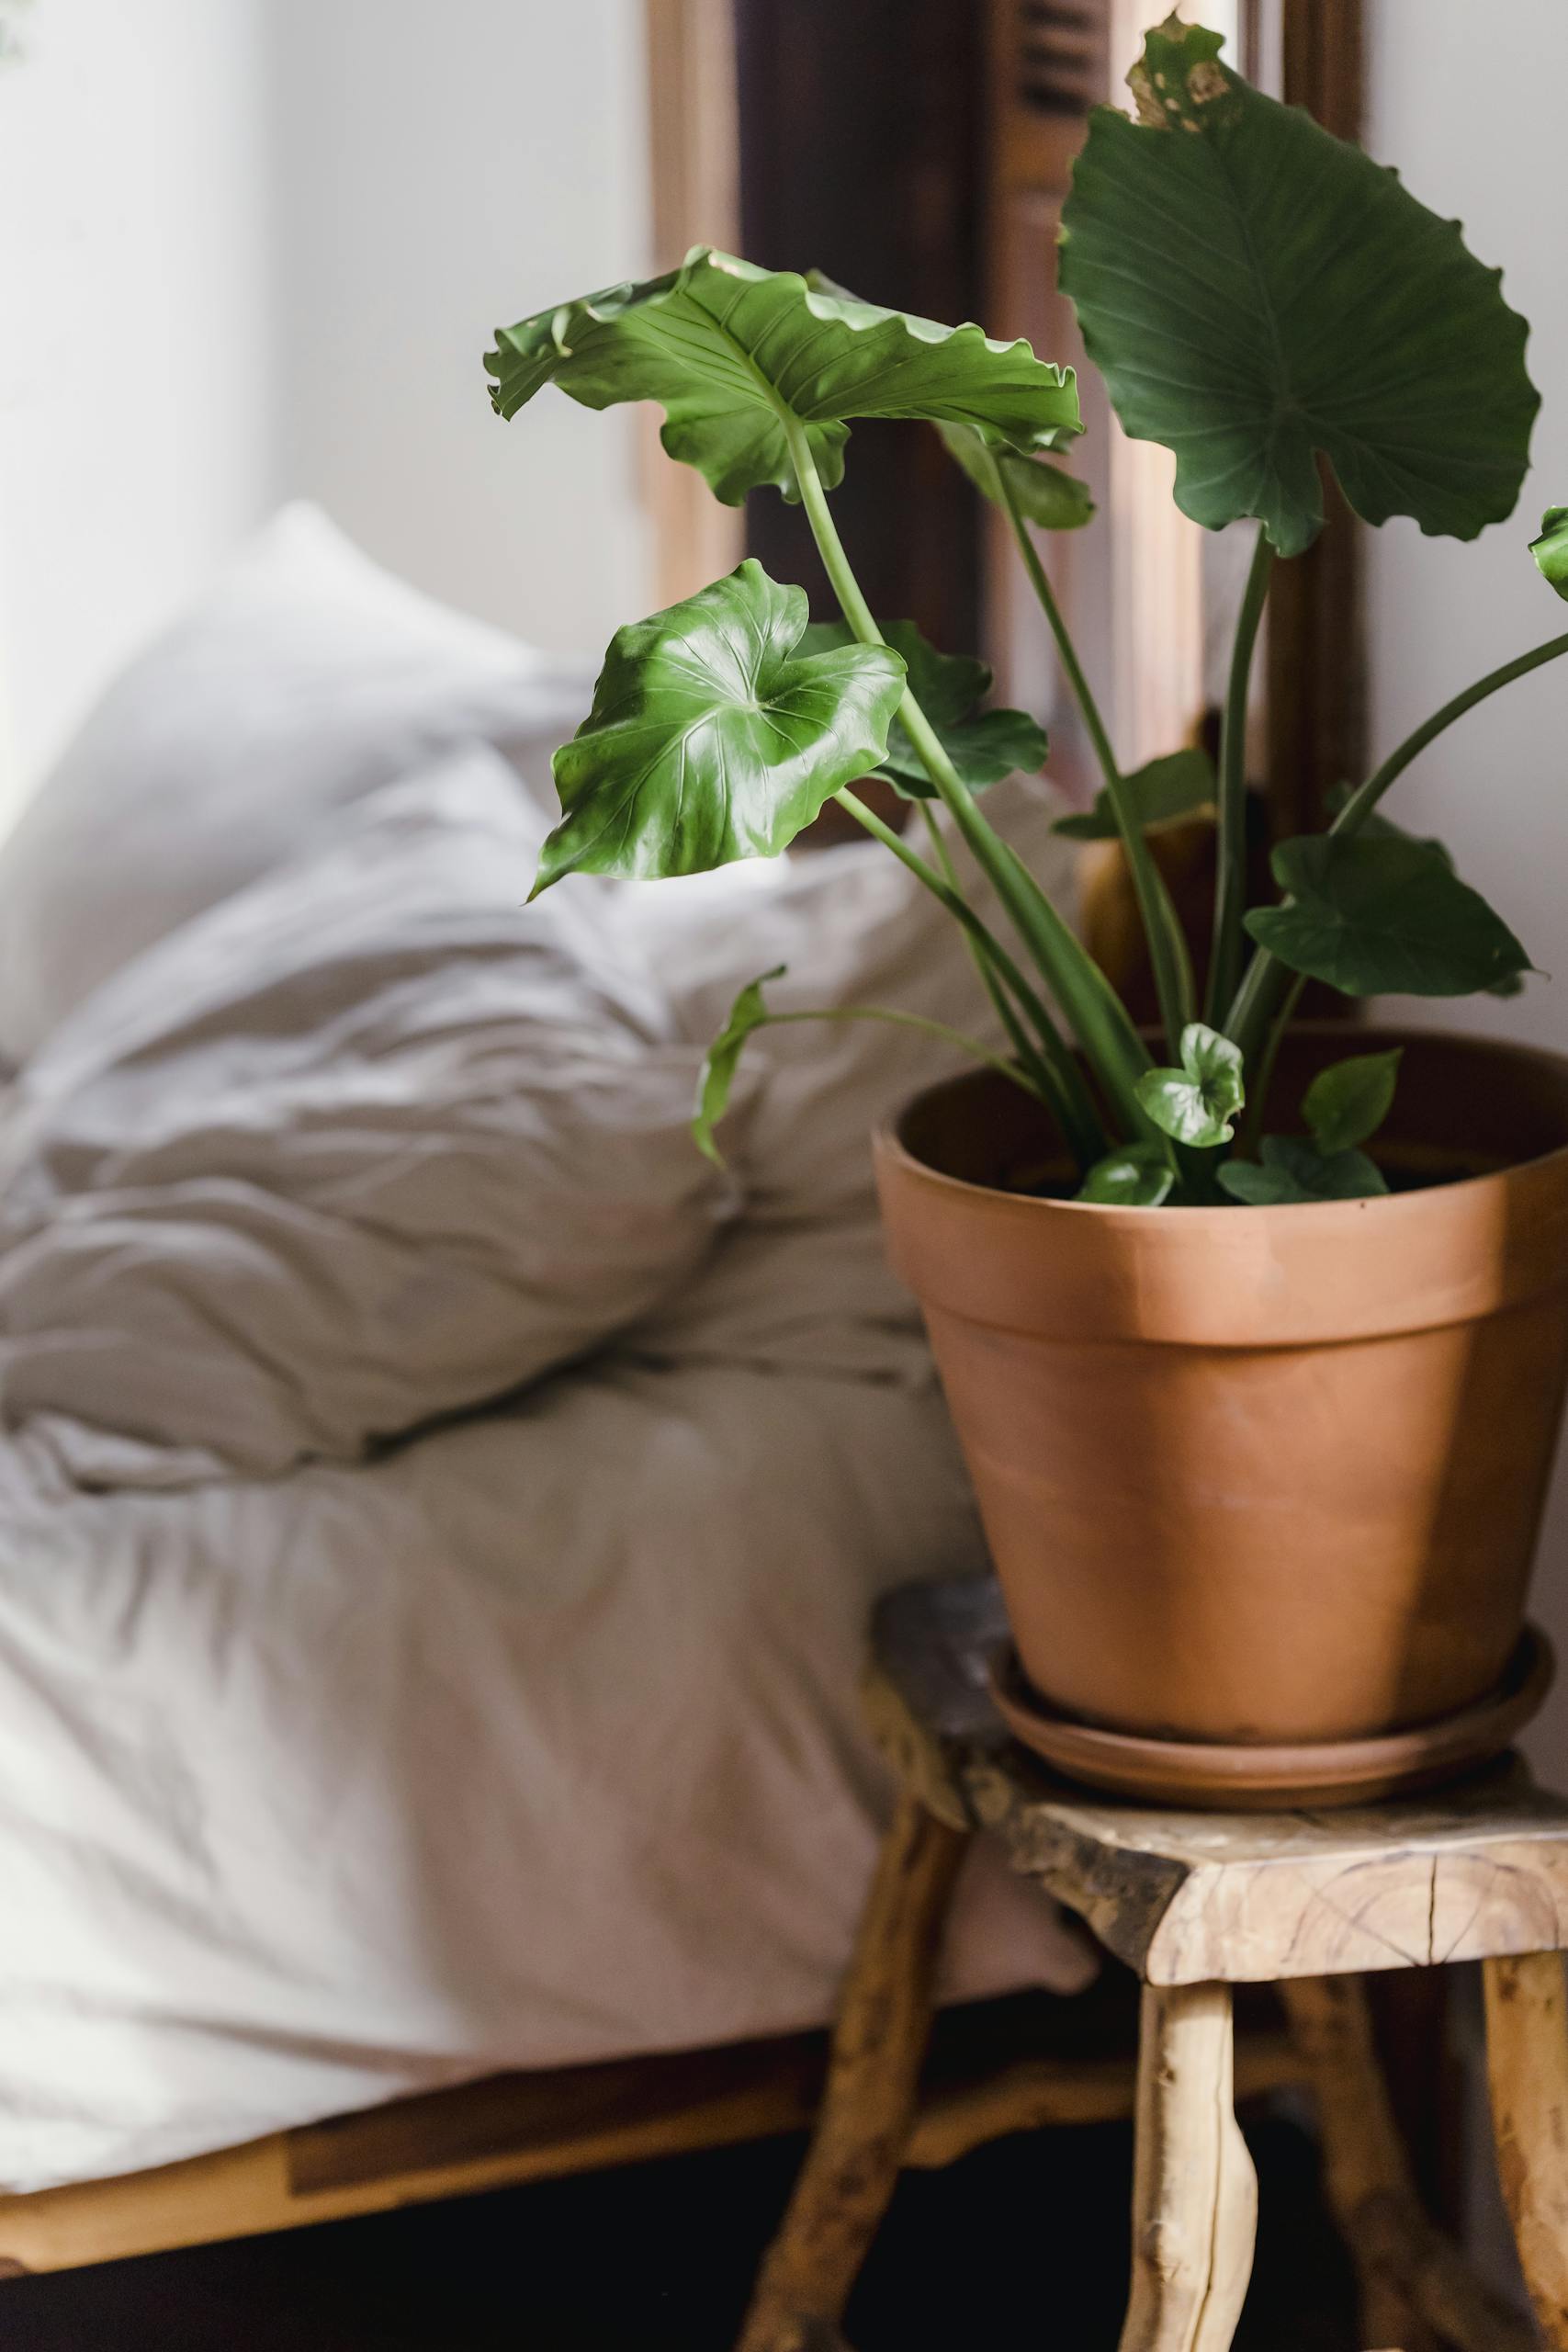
{"x":1418,"y":2291}
{"x":1194,"y":2193}
{"x":1527,"y":2064}
{"x":879,"y":2040}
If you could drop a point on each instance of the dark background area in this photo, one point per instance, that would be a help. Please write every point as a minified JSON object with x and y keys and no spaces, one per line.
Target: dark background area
{"x":889,"y":205}
{"x":1022,"y":2242}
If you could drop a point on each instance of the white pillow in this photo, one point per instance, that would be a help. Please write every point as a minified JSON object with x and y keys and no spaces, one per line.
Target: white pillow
{"x":306,"y":677}
{"x":370,"y":1143}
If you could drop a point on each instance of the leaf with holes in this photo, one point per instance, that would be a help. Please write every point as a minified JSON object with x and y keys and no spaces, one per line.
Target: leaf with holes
{"x":1161,"y":794}
{"x":729,"y":351}
{"x":984,"y":745}
{"x":1255,"y":291}
{"x":712,"y":737}
{"x":1385,"y":916}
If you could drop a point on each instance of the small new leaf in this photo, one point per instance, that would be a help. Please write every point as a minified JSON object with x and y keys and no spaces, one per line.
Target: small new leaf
{"x":1349,"y":1100}
{"x":1551,"y":550}
{"x":717,"y":1074}
{"x":1383,"y":916}
{"x":713,"y":738}
{"x":984,"y":745}
{"x":1198,"y":1102}
{"x":1165,"y":791}
{"x":1135,"y":1176}
{"x":1294,"y":1172}
{"x":1045,"y":496}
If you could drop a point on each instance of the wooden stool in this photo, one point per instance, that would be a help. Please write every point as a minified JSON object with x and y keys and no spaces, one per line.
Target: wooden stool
{"x":1196,"y":1903}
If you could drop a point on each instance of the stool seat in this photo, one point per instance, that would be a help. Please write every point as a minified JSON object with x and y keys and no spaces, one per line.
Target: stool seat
{"x":1195,"y":1903}
{"x":1474,"y":1871}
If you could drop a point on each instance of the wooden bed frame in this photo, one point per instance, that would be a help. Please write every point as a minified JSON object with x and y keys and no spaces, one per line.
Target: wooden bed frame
{"x":509,"y":2128}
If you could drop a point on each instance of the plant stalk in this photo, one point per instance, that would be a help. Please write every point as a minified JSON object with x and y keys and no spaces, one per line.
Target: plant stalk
{"x":1169,"y":958}
{"x":1062,"y":1082}
{"x":990,"y":978}
{"x":1229,"y":840}
{"x":1115,"y":1051}
{"x":1258,"y":996}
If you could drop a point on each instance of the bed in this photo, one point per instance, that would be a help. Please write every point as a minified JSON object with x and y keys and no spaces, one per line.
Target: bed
{"x":438,"y":1512}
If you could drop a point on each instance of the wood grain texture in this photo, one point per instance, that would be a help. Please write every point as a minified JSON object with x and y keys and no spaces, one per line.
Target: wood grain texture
{"x":1194,"y":2191}
{"x":1477,"y":1871}
{"x":1527,"y":2054}
{"x":1416,"y":2289}
{"x":879,"y":2040}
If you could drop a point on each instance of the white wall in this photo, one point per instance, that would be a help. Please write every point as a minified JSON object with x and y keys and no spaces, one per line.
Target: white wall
{"x":446,"y":170}
{"x":135,"y":345}
{"x":251,"y":248}
{"x":1463,"y":124}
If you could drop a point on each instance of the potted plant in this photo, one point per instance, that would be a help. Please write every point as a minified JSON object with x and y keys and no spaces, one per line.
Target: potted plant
{"x":1256,"y":1335}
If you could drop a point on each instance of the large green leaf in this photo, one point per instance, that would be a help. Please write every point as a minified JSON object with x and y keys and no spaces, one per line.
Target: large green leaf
{"x":1160,"y":794}
{"x":1255,"y":291}
{"x":984,"y":745}
{"x":1045,"y":495}
{"x":1197,"y":1102}
{"x":1551,"y":550}
{"x":1383,"y":915}
{"x":711,"y":737}
{"x":726,"y":349}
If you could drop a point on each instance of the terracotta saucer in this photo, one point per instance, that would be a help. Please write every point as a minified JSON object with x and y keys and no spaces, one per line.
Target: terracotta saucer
{"x":1263,"y":1778}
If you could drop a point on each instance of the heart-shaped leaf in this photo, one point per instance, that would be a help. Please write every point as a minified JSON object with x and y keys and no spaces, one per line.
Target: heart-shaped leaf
{"x":1255,"y":291}
{"x":1349,"y":1100}
{"x":1551,"y":550}
{"x":1293,"y":1172}
{"x":726,"y":348}
{"x":1045,"y":495}
{"x":711,"y":737}
{"x":984,"y":746}
{"x":1197,"y":1102}
{"x":1136,"y":1176}
{"x":1160,"y":794}
{"x":1377,"y":827}
{"x":717,"y":1073}
{"x":1383,"y":916}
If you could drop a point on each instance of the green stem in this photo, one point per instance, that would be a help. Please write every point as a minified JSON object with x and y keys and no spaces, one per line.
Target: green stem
{"x":1115,"y":1051}
{"x":990,"y":978}
{"x":1260,"y":993}
{"x":1361,"y":803}
{"x":1262,"y":1077}
{"x":1169,"y":958}
{"x":1230,"y":844}
{"x":1062,"y":1085}
{"x":1082,"y":694}
{"x":1009,"y":1070}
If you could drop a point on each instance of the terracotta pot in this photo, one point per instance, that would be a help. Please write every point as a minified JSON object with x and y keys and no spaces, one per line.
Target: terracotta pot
{"x":1257,"y":1475}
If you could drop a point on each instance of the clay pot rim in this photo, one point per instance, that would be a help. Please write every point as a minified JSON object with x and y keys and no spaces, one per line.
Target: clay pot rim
{"x":887,"y":1143}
